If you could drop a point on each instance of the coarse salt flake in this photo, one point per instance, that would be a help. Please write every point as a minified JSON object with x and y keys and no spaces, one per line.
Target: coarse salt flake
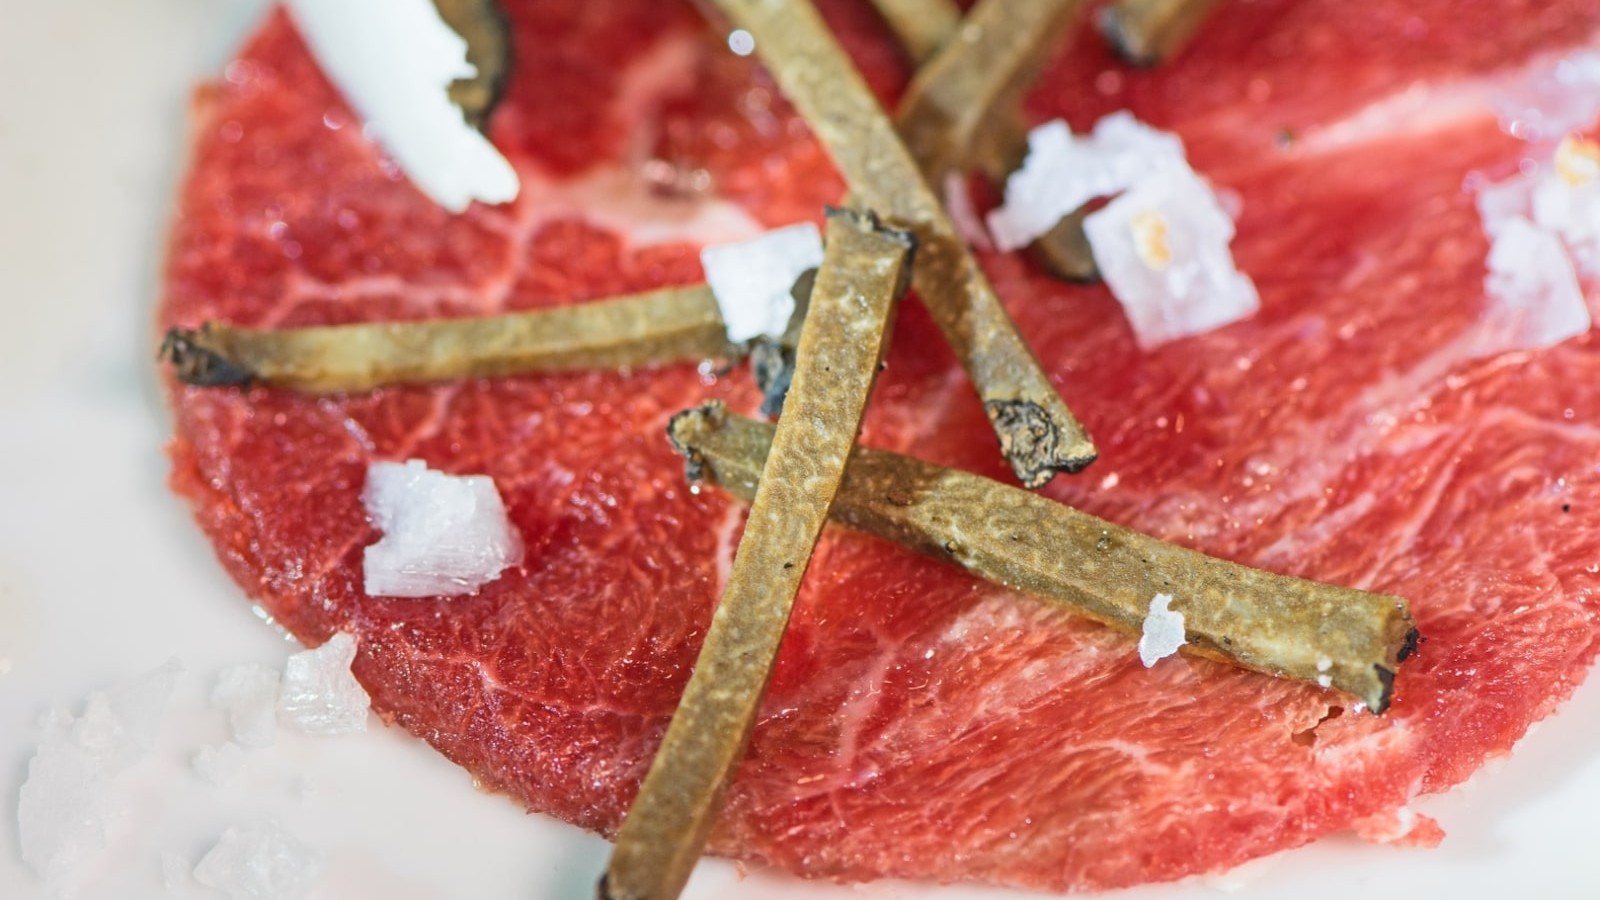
{"x":1577,"y":160}
{"x":217,"y":766}
{"x":248,"y":693}
{"x":1163,"y":631}
{"x":1566,"y":201}
{"x":1162,"y":248}
{"x":1533,"y":290}
{"x":1062,"y":172}
{"x":320,"y":695}
{"x":1551,"y":99}
{"x":752,"y":280}
{"x":1150,"y":239}
{"x":1544,"y":223}
{"x":75,"y":801}
{"x":260,"y":862}
{"x":394,"y":61}
{"x":443,"y":534}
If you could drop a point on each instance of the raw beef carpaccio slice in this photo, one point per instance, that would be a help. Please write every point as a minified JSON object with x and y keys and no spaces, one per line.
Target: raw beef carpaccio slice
{"x":921,"y":723}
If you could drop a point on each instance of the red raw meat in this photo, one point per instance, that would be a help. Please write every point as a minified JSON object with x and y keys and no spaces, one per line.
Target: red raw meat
{"x":923,"y":724}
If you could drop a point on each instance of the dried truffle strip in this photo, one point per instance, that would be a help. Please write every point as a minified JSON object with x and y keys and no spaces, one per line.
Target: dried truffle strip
{"x":1147,"y":32}
{"x":841,"y":344}
{"x":656,"y":327}
{"x":482,"y":24}
{"x":1283,"y":626}
{"x":921,"y":26}
{"x":972,"y":87}
{"x":964,"y":107}
{"x":1038,"y":434}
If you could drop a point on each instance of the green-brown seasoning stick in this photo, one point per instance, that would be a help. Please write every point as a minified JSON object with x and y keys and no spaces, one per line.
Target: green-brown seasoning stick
{"x":972,"y":87}
{"x":661,"y":326}
{"x":482,"y":24}
{"x":841,"y":344}
{"x":921,"y":26}
{"x":1038,"y":434}
{"x":1147,"y":32}
{"x":1288,"y":627}
{"x":964,"y":108}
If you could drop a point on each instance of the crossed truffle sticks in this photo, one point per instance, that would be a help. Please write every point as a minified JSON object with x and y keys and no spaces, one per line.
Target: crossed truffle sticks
{"x":961,"y":111}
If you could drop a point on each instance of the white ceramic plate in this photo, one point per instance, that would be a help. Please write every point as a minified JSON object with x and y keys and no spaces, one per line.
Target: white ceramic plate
{"x":103,"y":575}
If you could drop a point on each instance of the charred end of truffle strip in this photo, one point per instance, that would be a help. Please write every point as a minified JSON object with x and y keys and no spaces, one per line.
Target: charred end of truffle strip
{"x":684,"y":430}
{"x":867,"y":221}
{"x":772,"y":364}
{"x":772,"y":360}
{"x":1385,"y":676}
{"x":1036,"y":446}
{"x":199,"y":361}
{"x":1409,"y":646}
{"x":1402,"y":645}
{"x":487,"y":32}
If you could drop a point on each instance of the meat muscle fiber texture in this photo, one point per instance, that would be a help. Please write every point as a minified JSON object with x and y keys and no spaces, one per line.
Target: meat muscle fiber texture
{"x":921,"y":723}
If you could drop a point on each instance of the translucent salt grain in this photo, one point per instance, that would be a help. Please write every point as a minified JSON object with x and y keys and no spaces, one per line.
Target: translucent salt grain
{"x":260,"y":862}
{"x":394,"y":61}
{"x":73,"y":803}
{"x":443,"y":534}
{"x":1062,"y":172}
{"x":1566,"y":201}
{"x":248,"y":693}
{"x":752,"y":280}
{"x":1535,"y":300}
{"x":217,"y":766}
{"x":1163,"y":631}
{"x":1552,"y":100}
{"x":176,"y":874}
{"x":1502,"y":201}
{"x":320,"y":695}
{"x":1162,"y":248}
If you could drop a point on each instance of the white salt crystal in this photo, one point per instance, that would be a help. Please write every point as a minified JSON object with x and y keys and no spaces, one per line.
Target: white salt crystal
{"x":1063,"y":172}
{"x":219,"y":765}
{"x":752,"y":279}
{"x":1163,"y":631}
{"x":1566,"y":201}
{"x":248,"y":693}
{"x":73,"y":803}
{"x":442,"y":534}
{"x":176,"y":875}
{"x":260,"y":862}
{"x":394,"y":61}
{"x":320,"y":696}
{"x":1162,"y":248}
{"x":1502,"y":201}
{"x":1553,"y":100}
{"x":1532,"y":288}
